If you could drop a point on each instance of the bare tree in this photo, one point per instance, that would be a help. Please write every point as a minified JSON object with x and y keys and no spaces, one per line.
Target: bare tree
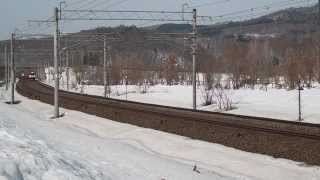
{"x":223,"y":99}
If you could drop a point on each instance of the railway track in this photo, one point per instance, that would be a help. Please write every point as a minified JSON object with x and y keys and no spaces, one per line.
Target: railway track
{"x":281,"y":139}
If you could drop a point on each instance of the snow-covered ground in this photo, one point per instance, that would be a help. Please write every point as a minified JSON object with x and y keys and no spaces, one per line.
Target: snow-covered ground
{"x":273,"y":103}
{"x":81,"y":146}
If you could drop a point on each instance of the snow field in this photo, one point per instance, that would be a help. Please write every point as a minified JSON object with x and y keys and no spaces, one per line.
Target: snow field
{"x":81,"y":146}
{"x":262,"y":102}
{"x":271,"y":103}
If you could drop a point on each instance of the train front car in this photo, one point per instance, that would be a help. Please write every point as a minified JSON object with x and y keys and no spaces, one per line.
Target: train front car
{"x":32,"y":76}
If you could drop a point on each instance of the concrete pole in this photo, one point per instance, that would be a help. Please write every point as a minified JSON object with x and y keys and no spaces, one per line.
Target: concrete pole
{"x":67,"y":70}
{"x":318,"y":37}
{"x":126,"y":77}
{"x":6,"y":64}
{"x":109,"y":64}
{"x":56,"y":65}
{"x":8,"y":68}
{"x":299,"y":98}
{"x":13,"y":78}
{"x":105,"y":66}
{"x":194,"y":63}
{"x":318,"y":12}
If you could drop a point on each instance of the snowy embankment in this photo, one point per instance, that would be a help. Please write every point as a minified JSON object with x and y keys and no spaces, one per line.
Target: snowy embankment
{"x":81,"y":146}
{"x":272,"y":103}
{"x":261,"y":102}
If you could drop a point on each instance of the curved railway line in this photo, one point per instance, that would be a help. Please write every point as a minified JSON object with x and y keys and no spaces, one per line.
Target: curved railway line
{"x":282,"y":139}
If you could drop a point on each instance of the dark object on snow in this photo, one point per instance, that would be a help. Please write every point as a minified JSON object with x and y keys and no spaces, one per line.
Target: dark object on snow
{"x":195,"y":169}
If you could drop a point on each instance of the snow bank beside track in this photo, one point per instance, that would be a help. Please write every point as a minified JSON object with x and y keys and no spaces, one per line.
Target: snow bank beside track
{"x":81,"y":146}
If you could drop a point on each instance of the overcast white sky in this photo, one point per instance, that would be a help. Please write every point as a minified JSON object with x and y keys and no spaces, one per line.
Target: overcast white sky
{"x":16,"y":13}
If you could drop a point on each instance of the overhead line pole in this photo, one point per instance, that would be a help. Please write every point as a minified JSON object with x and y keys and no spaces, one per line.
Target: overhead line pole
{"x":67,"y":69}
{"x":318,"y":12}
{"x":109,"y":64}
{"x":299,"y":99}
{"x":60,"y":6}
{"x":8,"y":68}
{"x":105,"y":66}
{"x":318,"y":39}
{"x":194,"y":63}
{"x":12,"y":69}
{"x":6,"y":63}
{"x":56,"y":64}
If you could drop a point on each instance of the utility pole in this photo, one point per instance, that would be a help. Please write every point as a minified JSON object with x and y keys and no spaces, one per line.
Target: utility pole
{"x":126,"y":79}
{"x":299,"y":97}
{"x":56,"y":64}
{"x":318,"y":12}
{"x":318,"y":36}
{"x":194,"y":53}
{"x":67,"y":69}
{"x":6,"y":66}
{"x":105,"y":66}
{"x":13,"y":78}
{"x":60,"y":6}
{"x":109,"y":70}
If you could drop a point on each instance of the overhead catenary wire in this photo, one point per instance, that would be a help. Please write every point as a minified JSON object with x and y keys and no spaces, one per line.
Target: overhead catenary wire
{"x":214,"y":18}
{"x":268,"y":6}
{"x":254,"y":12}
{"x":88,"y":3}
{"x":279,"y":5}
{"x":210,"y":4}
{"x":77,"y":3}
{"x":39,"y":26}
{"x":96,"y":4}
{"x":119,"y":15}
{"x":47,"y":23}
{"x":114,"y":4}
